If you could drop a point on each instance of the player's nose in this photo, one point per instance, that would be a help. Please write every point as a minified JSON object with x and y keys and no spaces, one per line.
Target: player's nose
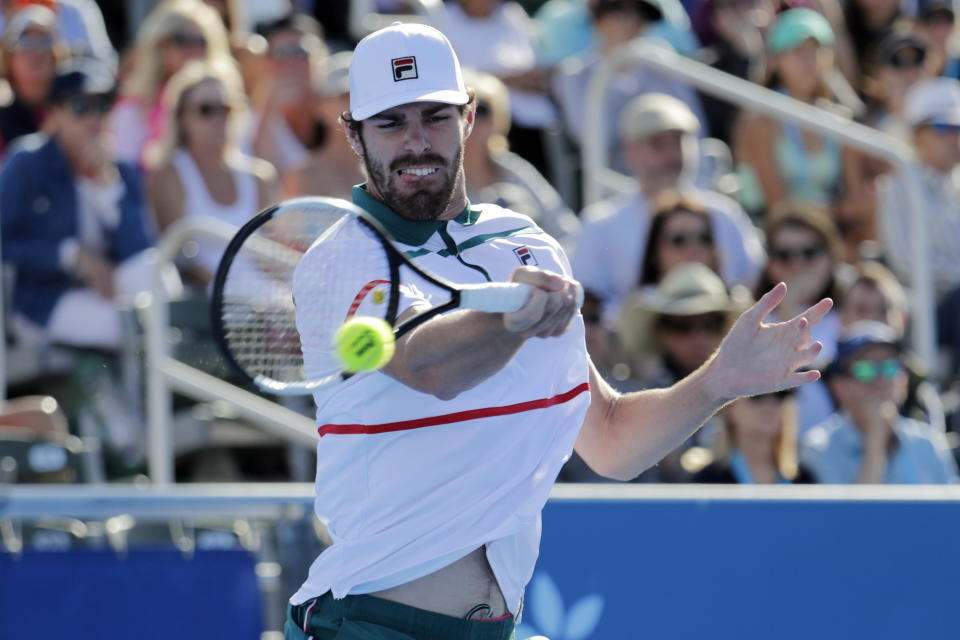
{"x":416,"y":139}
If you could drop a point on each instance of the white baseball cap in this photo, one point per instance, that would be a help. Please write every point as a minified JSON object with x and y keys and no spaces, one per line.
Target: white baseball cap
{"x":933,"y":101}
{"x":400,"y":64}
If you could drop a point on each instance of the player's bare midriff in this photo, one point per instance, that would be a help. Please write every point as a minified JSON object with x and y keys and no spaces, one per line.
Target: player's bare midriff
{"x":454,"y":590}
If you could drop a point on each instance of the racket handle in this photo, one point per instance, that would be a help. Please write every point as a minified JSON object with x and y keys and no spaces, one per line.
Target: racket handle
{"x":500,"y":297}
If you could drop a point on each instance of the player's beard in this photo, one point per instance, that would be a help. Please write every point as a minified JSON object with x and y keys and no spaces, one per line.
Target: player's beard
{"x":422,"y":205}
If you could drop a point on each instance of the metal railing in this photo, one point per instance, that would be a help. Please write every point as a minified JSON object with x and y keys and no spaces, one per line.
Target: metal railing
{"x":276,"y":501}
{"x":165,"y":374}
{"x":658,"y":58}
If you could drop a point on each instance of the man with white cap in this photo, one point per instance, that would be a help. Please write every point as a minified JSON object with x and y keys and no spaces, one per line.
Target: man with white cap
{"x":932,"y":111}
{"x":658,"y":140}
{"x":433,"y":497}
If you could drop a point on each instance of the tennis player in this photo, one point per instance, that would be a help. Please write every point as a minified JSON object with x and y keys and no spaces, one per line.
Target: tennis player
{"x":432,"y":472}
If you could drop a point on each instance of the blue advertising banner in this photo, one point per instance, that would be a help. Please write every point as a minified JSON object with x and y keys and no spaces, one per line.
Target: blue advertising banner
{"x":746,"y":570}
{"x":148,"y":594}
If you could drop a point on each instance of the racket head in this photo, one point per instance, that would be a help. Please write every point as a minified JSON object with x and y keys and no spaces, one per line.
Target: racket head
{"x":289,"y":279}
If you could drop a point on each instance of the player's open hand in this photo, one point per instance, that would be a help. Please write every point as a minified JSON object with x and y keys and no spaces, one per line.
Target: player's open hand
{"x":551,"y":307}
{"x":759,"y":357}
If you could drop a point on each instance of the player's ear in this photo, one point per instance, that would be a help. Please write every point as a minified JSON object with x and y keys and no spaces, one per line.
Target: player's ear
{"x":352,"y":131}
{"x":470,"y":115}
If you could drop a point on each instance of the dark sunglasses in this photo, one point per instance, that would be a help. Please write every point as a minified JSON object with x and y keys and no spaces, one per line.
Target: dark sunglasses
{"x":85,"y":105}
{"x":908,"y":60}
{"x":680,"y":240}
{"x":33,"y":42}
{"x":483,"y":109}
{"x":805,"y":254}
{"x":187,"y":40}
{"x":779,"y":396}
{"x":866,"y":371}
{"x":210,"y":109}
{"x":687,"y":325}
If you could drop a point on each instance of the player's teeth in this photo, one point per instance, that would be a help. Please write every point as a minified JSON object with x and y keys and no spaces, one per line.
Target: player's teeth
{"x":418,"y":172}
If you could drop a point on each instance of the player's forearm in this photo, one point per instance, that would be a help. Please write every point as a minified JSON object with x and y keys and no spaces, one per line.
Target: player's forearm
{"x":453,"y":353}
{"x":625,"y":434}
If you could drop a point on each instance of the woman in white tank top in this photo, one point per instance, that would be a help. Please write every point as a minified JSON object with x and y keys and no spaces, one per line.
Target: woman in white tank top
{"x":199,"y":171}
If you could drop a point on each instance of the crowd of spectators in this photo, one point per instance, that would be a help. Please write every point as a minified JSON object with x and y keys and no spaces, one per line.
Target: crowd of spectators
{"x":201,"y":113}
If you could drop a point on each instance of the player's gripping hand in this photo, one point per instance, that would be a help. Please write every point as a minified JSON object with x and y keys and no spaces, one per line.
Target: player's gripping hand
{"x":551,"y":307}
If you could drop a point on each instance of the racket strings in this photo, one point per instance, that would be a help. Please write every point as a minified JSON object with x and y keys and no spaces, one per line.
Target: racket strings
{"x":293,"y":283}
{"x":344,"y":275}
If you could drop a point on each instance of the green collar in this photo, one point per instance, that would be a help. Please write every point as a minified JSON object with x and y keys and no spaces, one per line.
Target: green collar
{"x":400,"y":229}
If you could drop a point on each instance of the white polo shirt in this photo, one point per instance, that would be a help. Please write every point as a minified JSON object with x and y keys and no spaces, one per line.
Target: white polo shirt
{"x":408,"y":483}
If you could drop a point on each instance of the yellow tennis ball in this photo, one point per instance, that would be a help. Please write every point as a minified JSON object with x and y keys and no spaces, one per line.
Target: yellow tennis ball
{"x":364,"y":343}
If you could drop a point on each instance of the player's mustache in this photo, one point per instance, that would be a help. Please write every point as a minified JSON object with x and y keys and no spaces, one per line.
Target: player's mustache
{"x":412,"y":161}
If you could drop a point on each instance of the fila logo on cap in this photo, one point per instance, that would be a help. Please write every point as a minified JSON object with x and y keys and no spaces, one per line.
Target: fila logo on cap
{"x":525,"y":256}
{"x":404,"y":68}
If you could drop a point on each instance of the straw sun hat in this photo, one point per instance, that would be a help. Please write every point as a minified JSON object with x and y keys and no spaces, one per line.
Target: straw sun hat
{"x":687,"y":290}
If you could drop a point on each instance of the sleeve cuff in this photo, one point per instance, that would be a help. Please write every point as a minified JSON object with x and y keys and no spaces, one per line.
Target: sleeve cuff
{"x":69,"y":249}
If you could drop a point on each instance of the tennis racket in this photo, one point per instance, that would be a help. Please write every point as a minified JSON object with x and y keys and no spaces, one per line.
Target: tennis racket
{"x":298,"y":270}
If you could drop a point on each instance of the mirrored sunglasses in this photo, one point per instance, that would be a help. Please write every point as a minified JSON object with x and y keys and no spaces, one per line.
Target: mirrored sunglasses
{"x":866,"y":371}
{"x":943,"y":127}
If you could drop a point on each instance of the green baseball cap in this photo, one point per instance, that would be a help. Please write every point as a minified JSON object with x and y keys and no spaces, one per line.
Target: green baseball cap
{"x":796,"y":25}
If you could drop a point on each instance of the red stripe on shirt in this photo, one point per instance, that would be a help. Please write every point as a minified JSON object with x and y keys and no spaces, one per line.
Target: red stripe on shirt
{"x":363,"y":294}
{"x":450,"y":418}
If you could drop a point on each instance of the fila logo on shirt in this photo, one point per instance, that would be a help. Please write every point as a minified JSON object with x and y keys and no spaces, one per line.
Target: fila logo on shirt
{"x":404,"y":68}
{"x":525,"y":256}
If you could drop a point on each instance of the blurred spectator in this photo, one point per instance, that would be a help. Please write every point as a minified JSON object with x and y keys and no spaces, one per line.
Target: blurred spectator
{"x":680,"y":232}
{"x":29,"y":50}
{"x":803,"y":250}
{"x":732,"y":34}
{"x":332,"y":168}
{"x":498,"y":37}
{"x":496,"y":174}
{"x":932,"y":111}
{"x":284,"y":124}
{"x":564,"y":28}
{"x":874,"y":294}
{"x":779,"y":162}
{"x":615,"y":22}
{"x":758,"y":443}
{"x":175,"y":32}
{"x":868,"y":23}
{"x":80,"y":24}
{"x":73,"y":220}
{"x":902,"y":62}
{"x":935,"y":24}
{"x":867,"y":441}
{"x":669,"y":332}
{"x":199,"y":170}
{"x":659,"y":141}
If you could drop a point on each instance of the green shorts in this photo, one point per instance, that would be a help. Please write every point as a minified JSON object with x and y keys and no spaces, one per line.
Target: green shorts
{"x":368,"y":617}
